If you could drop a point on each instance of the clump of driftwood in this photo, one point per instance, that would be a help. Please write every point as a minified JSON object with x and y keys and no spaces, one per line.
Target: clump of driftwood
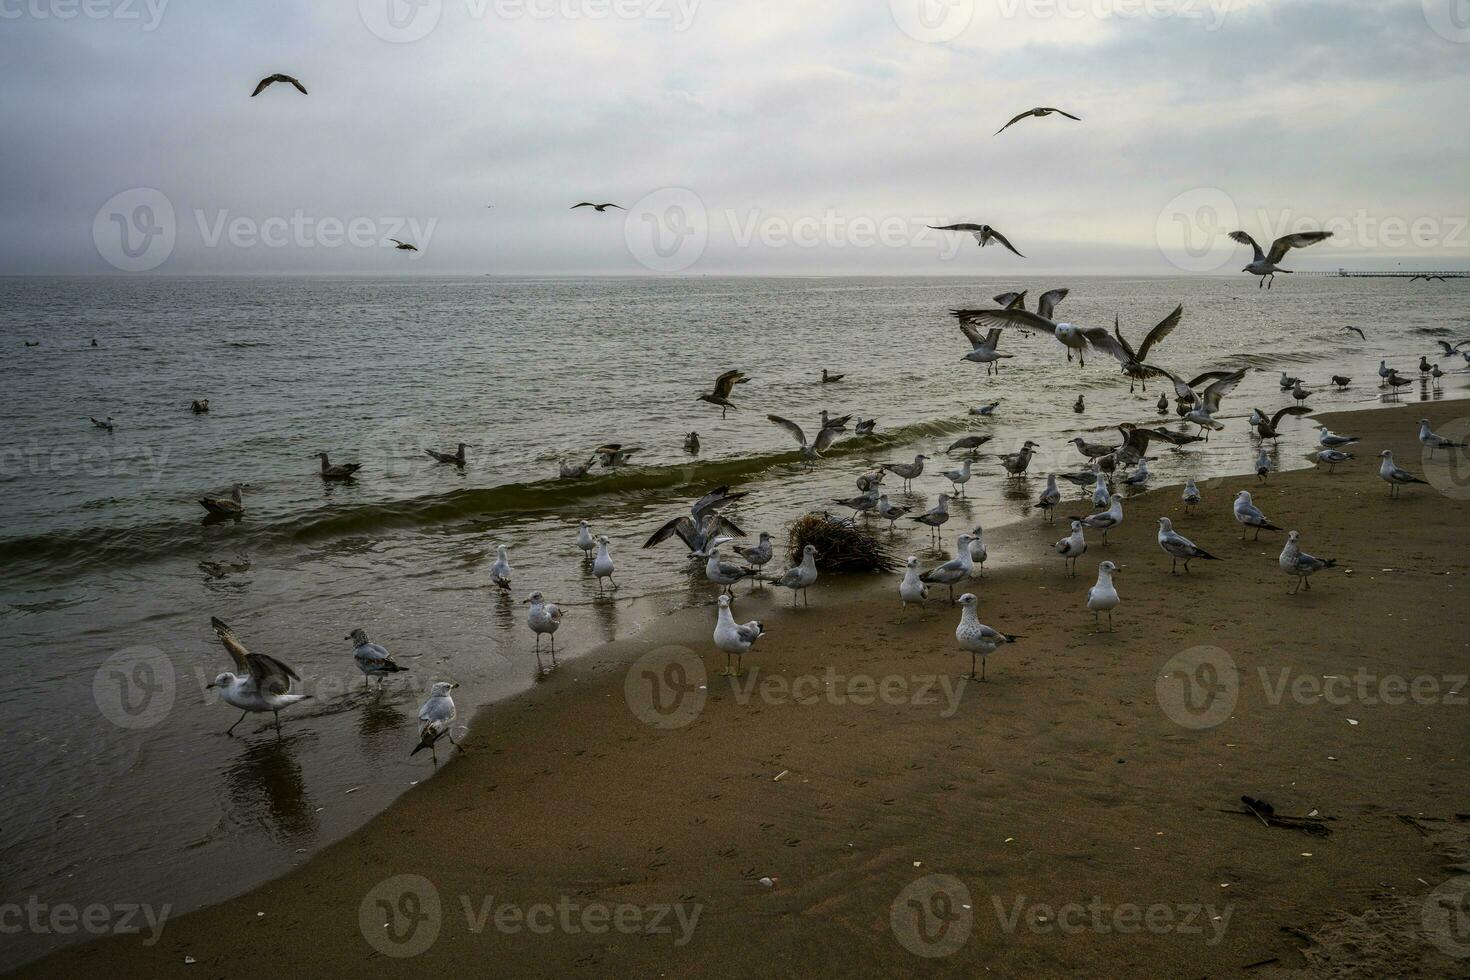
{"x":1266,"y":813}
{"x":843,"y":545}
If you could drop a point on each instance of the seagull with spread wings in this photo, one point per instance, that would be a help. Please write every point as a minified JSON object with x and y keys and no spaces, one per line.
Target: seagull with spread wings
{"x":984,"y":234}
{"x":811,"y":451}
{"x":269,"y":80}
{"x":1204,"y":405}
{"x":1264,"y":263}
{"x":1131,"y":359}
{"x":702,"y":524}
{"x":1269,"y":428}
{"x":1070,"y":336}
{"x":983,"y":347}
{"x":1039,"y":112}
{"x":725,"y":384}
{"x":599,"y":208}
{"x":262,"y":683}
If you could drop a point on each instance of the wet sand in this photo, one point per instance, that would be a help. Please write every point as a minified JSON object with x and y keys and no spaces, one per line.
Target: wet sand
{"x":1073,"y":801}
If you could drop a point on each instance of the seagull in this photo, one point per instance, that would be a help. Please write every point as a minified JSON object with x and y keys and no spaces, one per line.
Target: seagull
{"x":602,"y":565}
{"x":230,"y":506}
{"x":889,"y":512}
{"x":1073,"y":546}
{"x":543,"y":617}
{"x":1103,"y":597}
{"x":959,"y":477}
{"x":437,"y":715}
{"x":757,"y":555}
{"x":1298,"y":563}
{"x":262,"y":683}
{"x":1264,"y":264}
{"x":1084,"y":478}
{"x":1299,"y":393}
{"x":372,"y":659}
{"x":1139,"y":477}
{"x":456,"y":457}
{"x":1163,"y":404}
{"x":1109,"y":520}
{"x":1102,"y":495}
{"x":269,"y":80}
{"x":1070,"y":336}
{"x":1017,"y":463}
{"x":735,"y":638}
{"x":979,"y":554}
{"x":969,"y":443}
{"x":1424,"y":365}
{"x":721,"y":573}
{"x":912,"y":588}
{"x":1450,"y":350}
{"x":500,"y":568}
{"x":799,"y":578}
{"x":1206,"y":404}
{"x":1332,"y":457}
{"x":1342,"y":381}
{"x":1178,"y":547}
{"x":1079,"y":406}
{"x":828,"y":379}
{"x":1133,"y":360}
{"x":342,"y":471}
{"x":403,"y":246}
{"x":702,"y":524}
{"x":1269,"y":427}
{"x":956,"y":570}
{"x":599,"y":208}
{"x":1039,"y":112}
{"x":1264,"y":466}
{"x":1091,"y":450}
{"x":585,"y":540}
{"x":199,"y":406}
{"x":1289,"y":381}
{"x":105,"y":424}
{"x":1384,"y":371}
{"x":984,"y":234}
{"x":908,"y":472}
{"x":870,"y":480}
{"x":1396,"y":381}
{"x":614,"y":454}
{"x":860,"y":504}
{"x":1435,"y":442}
{"x":1437,"y":373}
{"x":1050,"y":497}
{"x":574,"y":471}
{"x":985,"y":410}
{"x":984,"y":347}
{"x":691,"y":443}
{"x":1394,"y":476}
{"x":1358,"y":331}
{"x":725,"y":384}
{"x":1191,"y":495}
{"x":1331,"y":440}
{"x":1249,"y":515}
{"x":935,"y":517}
{"x":976,"y":637}
{"x":864,"y":427}
{"x":811,"y":451}
{"x":839,"y":424}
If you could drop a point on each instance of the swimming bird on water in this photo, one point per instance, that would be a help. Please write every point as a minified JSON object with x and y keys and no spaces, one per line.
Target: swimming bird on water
{"x":908,"y":472}
{"x":104,"y":424}
{"x":270,"y":80}
{"x":1434,"y":442}
{"x":456,"y":457}
{"x":735,"y":638}
{"x":1295,"y":562}
{"x":802,"y":576}
{"x":544,"y":618}
{"x":1394,"y":475}
{"x":956,"y":570}
{"x":724,"y":385}
{"x":372,"y":659}
{"x":1248,"y":515}
{"x":984,"y":234}
{"x":985,"y":410}
{"x":602,"y":565}
{"x":1332,"y":457}
{"x":599,"y":208}
{"x":828,"y":379}
{"x":1079,"y":406}
{"x":1178,"y":547}
{"x":1264,"y":263}
{"x":691,"y":443}
{"x":912,"y":588}
{"x":341,"y":471}
{"x":436,"y":719}
{"x":1018,"y":462}
{"x":500,"y":569}
{"x":569,"y":470}
{"x":1072,"y":547}
{"x":199,"y":406}
{"x":231,"y":506}
{"x":261,"y":683}
{"x":977,"y":638}
{"x":864,"y":427}
{"x":615,"y":454}
{"x":1103,"y":597}
{"x":1040,"y":112}
{"x":1050,"y":497}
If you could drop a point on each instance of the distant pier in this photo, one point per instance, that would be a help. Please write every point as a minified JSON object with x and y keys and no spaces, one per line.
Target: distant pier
{"x":1411,"y":276}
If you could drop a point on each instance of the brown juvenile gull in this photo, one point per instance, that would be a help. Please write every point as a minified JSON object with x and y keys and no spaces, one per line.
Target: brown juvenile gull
{"x":341,"y":471}
{"x":596,"y":207}
{"x":725,"y":384}
{"x":230,"y":506}
{"x":1039,"y":112}
{"x":457,"y":457}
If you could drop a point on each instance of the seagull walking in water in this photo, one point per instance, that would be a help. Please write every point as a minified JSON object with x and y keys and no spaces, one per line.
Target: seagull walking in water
{"x":1103,"y":597}
{"x":1072,"y":547}
{"x":436,"y":718}
{"x":889,"y":512}
{"x":977,"y":638}
{"x":602,"y":565}
{"x":1040,"y":112}
{"x":735,"y":639}
{"x":372,"y":659}
{"x":908,"y":472}
{"x":912,"y":587}
{"x":544,"y":618}
{"x":261,"y":683}
{"x":1394,"y":475}
{"x":969,"y":444}
{"x":935,"y":517}
{"x":1264,"y":263}
{"x":959,"y":477}
{"x":1299,"y":564}
{"x":1178,"y":547}
{"x":1018,"y":462}
{"x":585,"y":541}
{"x":1248,"y":515}
{"x":1434,"y":442}
{"x":800,"y":577}
{"x":500,"y":568}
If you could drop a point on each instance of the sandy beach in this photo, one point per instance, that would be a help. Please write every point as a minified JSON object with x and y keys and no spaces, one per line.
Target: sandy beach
{"x":854,"y":806}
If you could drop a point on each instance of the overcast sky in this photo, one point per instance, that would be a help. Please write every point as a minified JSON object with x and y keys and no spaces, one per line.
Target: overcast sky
{"x":747,"y":136}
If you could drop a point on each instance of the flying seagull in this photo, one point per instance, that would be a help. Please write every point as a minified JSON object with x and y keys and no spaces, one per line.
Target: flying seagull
{"x":724,"y":384}
{"x":596,"y":207}
{"x":1360,"y":333}
{"x":269,"y":80}
{"x":702,"y":523}
{"x":1132,"y":360}
{"x":813,"y":450}
{"x":984,"y":234}
{"x":1070,"y":336}
{"x":1039,"y":112}
{"x":403,"y":246}
{"x":1264,"y":264}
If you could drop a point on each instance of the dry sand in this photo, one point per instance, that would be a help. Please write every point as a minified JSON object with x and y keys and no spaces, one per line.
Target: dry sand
{"x":1063,"y":787}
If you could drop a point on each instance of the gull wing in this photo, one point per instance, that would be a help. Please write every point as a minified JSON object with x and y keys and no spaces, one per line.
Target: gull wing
{"x":682,"y":526}
{"x":1003,"y":240}
{"x":972,"y":334}
{"x":1118,"y":333}
{"x":1290,"y":410}
{"x":726,"y":383}
{"x":825,"y":438}
{"x":1208,"y":376}
{"x":1028,"y":112}
{"x":715,"y":499}
{"x":1103,"y":341}
{"x":1047,"y":305}
{"x":1012,"y":300}
{"x":269,"y":674}
{"x":1244,"y":239}
{"x":233,"y":646}
{"x":1022,"y":319}
{"x":1063,"y":112}
{"x":965,"y":226}
{"x":1165,"y":327}
{"x":1286,"y":243}
{"x":1220,"y":389}
{"x":792,"y":429}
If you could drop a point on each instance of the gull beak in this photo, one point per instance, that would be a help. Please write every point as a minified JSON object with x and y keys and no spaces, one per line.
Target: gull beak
{"x":209,"y":685}
{"x":453,"y":687}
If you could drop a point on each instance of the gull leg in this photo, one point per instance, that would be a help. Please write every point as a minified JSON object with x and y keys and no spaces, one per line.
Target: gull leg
{"x":972,"y":665}
{"x":237,"y":721}
{"x":1110,"y":621}
{"x":278,"y":718}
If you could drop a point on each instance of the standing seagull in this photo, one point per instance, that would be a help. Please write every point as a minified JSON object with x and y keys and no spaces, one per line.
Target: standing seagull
{"x":1017,"y":463}
{"x":1297,"y":563}
{"x":800,"y":577}
{"x":735,"y":638}
{"x":1433,"y":441}
{"x":1264,"y":466}
{"x":437,"y":715}
{"x":912,"y":588}
{"x":262,"y":683}
{"x":954,"y":571}
{"x":758,"y":555}
{"x":935,"y":517}
{"x":724,"y":384}
{"x":500,"y":568}
{"x":1248,"y":515}
{"x":602,"y":565}
{"x":721,"y":573}
{"x":585,"y":540}
{"x":976,"y":637}
{"x":1178,"y":547}
{"x":959,"y":477}
{"x":906,"y":471}
{"x":372,"y":659}
{"x":1072,"y":547}
{"x":269,"y":80}
{"x":1264,"y":264}
{"x":1191,"y":495}
{"x":984,"y":234}
{"x":1332,"y":457}
{"x":889,"y":512}
{"x":1394,"y":475}
{"x":1103,"y":597}
{"x":1331,"y":440}
{"x":1050,"y":497}
{"x":1109,"y":520}
{"x":1040,"y":112}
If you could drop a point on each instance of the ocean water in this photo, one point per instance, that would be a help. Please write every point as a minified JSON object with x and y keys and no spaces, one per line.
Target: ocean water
{"x":119,"y":786}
